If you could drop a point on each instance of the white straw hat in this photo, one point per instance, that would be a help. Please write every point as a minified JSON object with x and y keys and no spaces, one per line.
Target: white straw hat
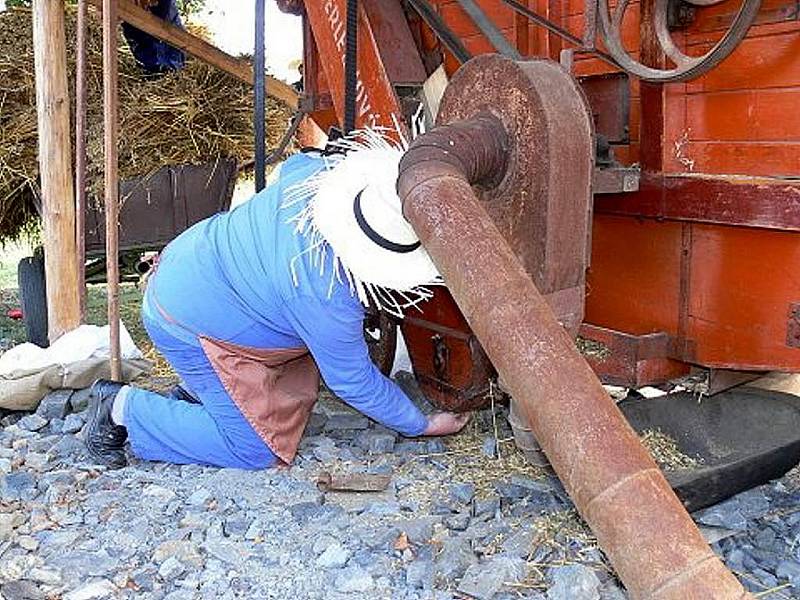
{"x":352,"y":208}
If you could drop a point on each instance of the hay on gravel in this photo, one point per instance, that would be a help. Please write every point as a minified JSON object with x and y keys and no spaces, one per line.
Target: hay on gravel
{"x":192,"y":116}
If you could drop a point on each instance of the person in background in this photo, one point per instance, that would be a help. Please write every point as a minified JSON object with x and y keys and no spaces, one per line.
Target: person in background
{"x":154,"y":56}
{"x":250,"y":306}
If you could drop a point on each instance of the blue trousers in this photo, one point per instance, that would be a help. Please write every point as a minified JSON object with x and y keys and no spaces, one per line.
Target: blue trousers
{"x":213,"y":432}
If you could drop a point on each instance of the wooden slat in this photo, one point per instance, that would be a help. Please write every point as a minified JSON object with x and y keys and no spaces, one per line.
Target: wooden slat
{"x":199,"y":48}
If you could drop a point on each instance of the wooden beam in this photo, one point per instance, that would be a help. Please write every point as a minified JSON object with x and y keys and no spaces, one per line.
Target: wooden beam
{"x":55,"y":167}
{"x":111,"y":184}
{"x":199,"y":48}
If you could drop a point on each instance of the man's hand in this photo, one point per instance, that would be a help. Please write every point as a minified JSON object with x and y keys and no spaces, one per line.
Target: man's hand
{"x":445,"y":423}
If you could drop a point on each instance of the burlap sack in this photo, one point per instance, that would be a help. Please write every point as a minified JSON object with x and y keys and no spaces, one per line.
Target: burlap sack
{"x":23,"y":390}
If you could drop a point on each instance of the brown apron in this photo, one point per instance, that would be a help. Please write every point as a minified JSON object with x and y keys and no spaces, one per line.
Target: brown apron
{"x":275,"y":389}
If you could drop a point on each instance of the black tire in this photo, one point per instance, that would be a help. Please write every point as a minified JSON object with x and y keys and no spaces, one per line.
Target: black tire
{"x":33,"y":298}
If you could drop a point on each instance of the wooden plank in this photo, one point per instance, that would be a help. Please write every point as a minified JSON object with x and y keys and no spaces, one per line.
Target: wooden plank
{"x":111,"y":183}
{"x":199,"y":48}
{"x":768,"y":159}
{"x":55,"y":167}
{"x":748,"y":115}
{"x":757,"y":63}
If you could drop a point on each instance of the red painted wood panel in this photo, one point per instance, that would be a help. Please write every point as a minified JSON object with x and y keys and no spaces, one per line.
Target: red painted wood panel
{"x":754,"y":115}
{"x":758,"y":63}
{"x":463,"y":26}
{"x":634,"y":280}
{"x":742,"y":282}
{"x":747,"y":158}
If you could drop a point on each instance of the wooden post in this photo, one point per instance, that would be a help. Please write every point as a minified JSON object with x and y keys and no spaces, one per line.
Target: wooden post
{"x":110,"y":83}
{"x":55,"y":167}
{"x":80,"y":153}
{"x":260,"y":100}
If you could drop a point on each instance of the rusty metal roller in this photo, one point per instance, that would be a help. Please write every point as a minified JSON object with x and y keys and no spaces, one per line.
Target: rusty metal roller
{"x":491,"y":143}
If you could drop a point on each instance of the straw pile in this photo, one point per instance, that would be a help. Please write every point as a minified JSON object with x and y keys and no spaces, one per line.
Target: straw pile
{"x":193,"y":116}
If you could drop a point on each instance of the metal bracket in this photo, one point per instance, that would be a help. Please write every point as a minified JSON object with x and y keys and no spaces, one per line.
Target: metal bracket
{"x":793,"y":326}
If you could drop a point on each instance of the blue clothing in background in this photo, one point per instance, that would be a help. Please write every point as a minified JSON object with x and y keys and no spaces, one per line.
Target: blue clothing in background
{"x":152,"y":54}
{"x":230,"y":278}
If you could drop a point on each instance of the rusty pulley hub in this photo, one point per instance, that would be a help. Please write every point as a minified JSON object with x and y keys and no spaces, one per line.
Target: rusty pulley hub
{"x":537,"y":193}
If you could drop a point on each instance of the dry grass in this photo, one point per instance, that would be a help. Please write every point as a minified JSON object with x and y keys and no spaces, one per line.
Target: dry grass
{"x":464,"y":461}
{"x":195,"y":115}
{"x":666,"y":453}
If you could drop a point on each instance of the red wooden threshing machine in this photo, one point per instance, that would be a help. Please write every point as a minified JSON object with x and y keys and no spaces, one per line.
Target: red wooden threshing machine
{"x":639,"y":162}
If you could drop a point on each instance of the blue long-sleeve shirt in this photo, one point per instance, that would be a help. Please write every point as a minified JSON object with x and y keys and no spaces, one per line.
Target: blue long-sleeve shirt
{"x":231,"y":278}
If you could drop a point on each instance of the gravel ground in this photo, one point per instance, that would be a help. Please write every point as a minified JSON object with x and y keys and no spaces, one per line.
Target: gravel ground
{"x":462,"y":518}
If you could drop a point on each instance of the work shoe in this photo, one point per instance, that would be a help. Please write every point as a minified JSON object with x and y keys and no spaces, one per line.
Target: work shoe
{"x":105,"y":439}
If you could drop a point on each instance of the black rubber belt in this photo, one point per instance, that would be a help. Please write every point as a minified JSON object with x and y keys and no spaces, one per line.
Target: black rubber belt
{"x":351,"y":66}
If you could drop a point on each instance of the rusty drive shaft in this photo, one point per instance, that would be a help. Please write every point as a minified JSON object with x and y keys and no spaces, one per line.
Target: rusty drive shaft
{"x":651,"y":541}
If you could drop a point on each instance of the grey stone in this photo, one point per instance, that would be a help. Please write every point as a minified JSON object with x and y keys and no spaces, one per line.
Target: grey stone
{"x":374,"y":442}
{"x":32,"y":422}
{"x":454,"y":559}
{"x":353,"y":579}
{"x":46,"y":576}
{"x":574,"y":582}
{"x":346,"y":421}
{"x":69,"y":447}
{"x":335,"y":556}
{"x":36,"y":461}
{"x":184,"y":550}
{"x":19,"y":485}
{"x":55,"y":405}
{"x":8,"y":522}
{"x":789,"y":569}
{"x":483,"y":581}
{"x":171,"y":569}
{"x":486,"y":506}
{"x":72,"y":423}
{"x":457,"y":522}
{"x":418,"y":531}
{"x":56,"y":426}
{"x":462,"y":492}
{"x":255,"y":531}
{"x":5,"y":466}
{"x":419,"y":574}
{"x":158,"y":495}
{"x":326,"y":454}
{"x":611,"y":591}
{"x":200,"y":497}
{"x":519,"y":543}
{"x":236,"y":526}
{"x":489,"y":447}
{"x":80,"y":400}
{"x":101,"y":588}
{"x":436,"y":446}
{"x":21,"y":590}
{"x":411,"y":448}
